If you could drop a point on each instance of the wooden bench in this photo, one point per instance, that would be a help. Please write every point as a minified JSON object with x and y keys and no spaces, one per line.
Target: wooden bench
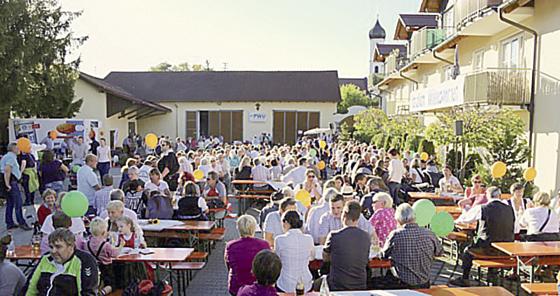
{"x":540,"y":288}
{"x":379,"y":263}
{"x":116,"y":293}
{"x":184,"y":272}
{"x":495,"y":260}
{"x":217,"y":234}
{"x":251,"y":196}
{"x":457,"y":241}
{"x":198,"y":256}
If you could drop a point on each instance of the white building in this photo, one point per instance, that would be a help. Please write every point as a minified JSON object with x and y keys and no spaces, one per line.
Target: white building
{"x":237,"y":105}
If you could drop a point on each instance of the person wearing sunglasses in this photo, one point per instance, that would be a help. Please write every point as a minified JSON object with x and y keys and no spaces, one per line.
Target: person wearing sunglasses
{"x":475,"y":195}
{"x":311,"y":185}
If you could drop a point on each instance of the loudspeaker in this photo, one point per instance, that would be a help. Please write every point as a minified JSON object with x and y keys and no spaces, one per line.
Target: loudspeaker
{"x":458,"y":128}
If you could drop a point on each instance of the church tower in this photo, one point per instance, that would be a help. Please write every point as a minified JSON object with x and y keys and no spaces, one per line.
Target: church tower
{"x":376,"y":36}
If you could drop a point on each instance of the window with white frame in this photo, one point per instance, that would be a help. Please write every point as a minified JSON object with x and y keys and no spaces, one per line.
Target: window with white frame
{"x":478,"y":60}
{"x":510,"y":52}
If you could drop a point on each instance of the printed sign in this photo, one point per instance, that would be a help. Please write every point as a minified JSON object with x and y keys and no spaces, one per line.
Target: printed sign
{"x":449,"y":93}
{"x":257,"y":117}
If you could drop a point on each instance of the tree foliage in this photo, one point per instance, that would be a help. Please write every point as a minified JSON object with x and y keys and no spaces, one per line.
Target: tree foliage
{"x":351,"y":95}
{"x":401,"y":132}
{"x":183,"y":67}
{"x":36,"y":41}
{"x":37,"y":76}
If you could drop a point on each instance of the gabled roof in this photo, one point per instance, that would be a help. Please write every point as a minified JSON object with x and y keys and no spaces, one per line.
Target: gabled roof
{"x":119,"y":92}
{"x":229,"y":86}
{"x":361,"y":83}
{"x":433,"y":6}
{"x":383,"y":50}
{"x":410,"y":22}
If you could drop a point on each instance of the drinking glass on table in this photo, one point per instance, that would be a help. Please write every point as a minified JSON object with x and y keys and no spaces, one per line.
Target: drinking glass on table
{"x":36,"y":243}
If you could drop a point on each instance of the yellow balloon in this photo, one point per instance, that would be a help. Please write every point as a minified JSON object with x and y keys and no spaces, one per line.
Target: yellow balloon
{"x":151,"y":141}
{"x":304,"y":197}
{"x":198,"y":174}
{"x":24,"y":145}
{"x":321,"y":165}
{"x":322,"y":144}
{"x":529,"y":174}
{"x":498,"y":169}
{"x":424,"y":156}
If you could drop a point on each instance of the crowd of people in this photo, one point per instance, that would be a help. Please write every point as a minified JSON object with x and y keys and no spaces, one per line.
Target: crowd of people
{"x":358,"y":207}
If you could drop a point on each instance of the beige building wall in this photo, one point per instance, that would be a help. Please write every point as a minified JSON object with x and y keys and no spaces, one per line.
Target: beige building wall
{"x":545,"y":21}
{"x":547,"y":99}
{"x":94,"y":106}
{"x":173,"y":124}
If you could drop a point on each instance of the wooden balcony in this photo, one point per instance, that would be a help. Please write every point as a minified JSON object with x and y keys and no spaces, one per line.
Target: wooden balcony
{"x":425,"y":39}
{"x":394,"y":63}
{"x":498,"y":87}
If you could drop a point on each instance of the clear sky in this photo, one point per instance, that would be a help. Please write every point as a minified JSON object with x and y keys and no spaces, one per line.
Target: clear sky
{"x":133,"y":35}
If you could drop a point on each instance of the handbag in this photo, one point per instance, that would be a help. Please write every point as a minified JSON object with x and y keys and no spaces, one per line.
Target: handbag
{"x":542,"y":236}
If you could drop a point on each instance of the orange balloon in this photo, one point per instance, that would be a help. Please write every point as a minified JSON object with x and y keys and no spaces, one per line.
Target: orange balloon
{"x":53,"y":134}
{"x":321,"y":165}
{"x":24,"y":145}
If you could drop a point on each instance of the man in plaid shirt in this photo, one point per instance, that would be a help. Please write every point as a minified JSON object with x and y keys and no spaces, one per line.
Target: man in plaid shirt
{"x":411,"y":249}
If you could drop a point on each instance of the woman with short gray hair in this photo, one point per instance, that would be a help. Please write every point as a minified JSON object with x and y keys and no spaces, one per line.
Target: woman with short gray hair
{"x":383,"y":218}
{"x":239,"y":254}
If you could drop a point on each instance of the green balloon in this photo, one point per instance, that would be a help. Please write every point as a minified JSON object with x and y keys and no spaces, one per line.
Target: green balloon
{"x":442,"y":224}
{"x":75,"y":169}
{"x":312,"y":152}
{"x":74,"y":204}
{"x":424,"y":210}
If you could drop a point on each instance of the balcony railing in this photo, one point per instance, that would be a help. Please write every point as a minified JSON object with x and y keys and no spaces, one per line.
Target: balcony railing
{"x":394,"y":63}
{"x":498,"y":87}
{"x":425,"y":39}
{"x":374,"y":79}
{"x":468,"y":10}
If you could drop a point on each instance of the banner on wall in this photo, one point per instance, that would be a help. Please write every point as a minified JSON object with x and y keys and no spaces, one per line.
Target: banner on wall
{"x":37,"y":129}
{"x":449,"y":93}
{"x":257,"y":117}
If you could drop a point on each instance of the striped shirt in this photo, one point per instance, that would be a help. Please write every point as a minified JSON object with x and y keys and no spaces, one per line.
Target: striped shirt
{"x":260,"y":173}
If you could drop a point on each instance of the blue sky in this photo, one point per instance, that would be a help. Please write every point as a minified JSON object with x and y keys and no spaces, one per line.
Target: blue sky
{"x":132,"y":35}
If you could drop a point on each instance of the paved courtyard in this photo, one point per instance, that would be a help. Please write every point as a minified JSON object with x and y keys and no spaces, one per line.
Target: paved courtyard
{"x":212,"y":280}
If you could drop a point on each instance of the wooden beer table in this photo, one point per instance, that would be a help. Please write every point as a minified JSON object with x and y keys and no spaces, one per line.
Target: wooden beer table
{"x":25,"y":253}
{"x":539,"y":289}
{"x":530,"y":254}
{"x":454,"y":211}
{"x":159,"y":256}
{"x":176,"y":229}
{"x":436,"y":291}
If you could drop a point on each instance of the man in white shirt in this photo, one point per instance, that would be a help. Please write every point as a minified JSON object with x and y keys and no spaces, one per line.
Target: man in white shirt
{"x":88,"y":183}
{"x":296,"y":175}
{"x":396,"y":173}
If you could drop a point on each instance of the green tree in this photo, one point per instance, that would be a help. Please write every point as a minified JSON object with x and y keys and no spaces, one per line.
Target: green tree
{"x":351,"y":95}
{"x":37,"y":75}
{"x":162,"y":67}
{"x":183,"y":67}
{"x":369,"y":123}
{"x":507,"y":143}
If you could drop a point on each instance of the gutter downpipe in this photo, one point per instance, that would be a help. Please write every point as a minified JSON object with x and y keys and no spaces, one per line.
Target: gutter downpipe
{"x":408,"y":78}
{"x":434,"y":54}
{"x":531,"y":106}
{"x":176,"y":121}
